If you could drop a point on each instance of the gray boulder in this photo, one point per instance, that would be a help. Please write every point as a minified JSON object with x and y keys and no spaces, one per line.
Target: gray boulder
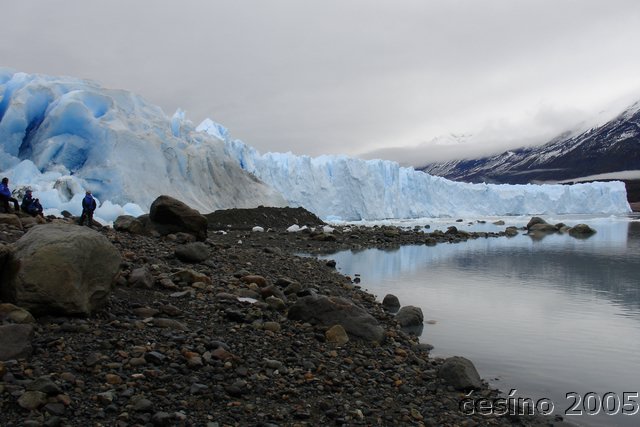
{"x":410,"y":315}
{"x":15,"y":341}
{"x":542,"y":228}
{"x":330,"y":311}
{"x":141,"y":277}
{"x":460,"y":373}
{"x":193,"y":252}
{"x":130,"y":224}
{"x":391,"y":303}
{"x":168,"y":215}
{"x":60,"y":269}
{"x":581,"y":231}
{"x":535,"y":220}
{"x":511,"y":231}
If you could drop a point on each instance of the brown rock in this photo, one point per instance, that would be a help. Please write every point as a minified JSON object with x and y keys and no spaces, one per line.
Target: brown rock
{"x":337,"y":335}
{"x":15,"y":314}
{"x":32,"y":400}
{"x":169,"y":215}
{"x":254,"y":278}
{"x":11,"y":220}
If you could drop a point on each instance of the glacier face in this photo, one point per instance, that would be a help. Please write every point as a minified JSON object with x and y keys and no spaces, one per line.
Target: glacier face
{"x":339,"y":187}
{"x":60,"y":136}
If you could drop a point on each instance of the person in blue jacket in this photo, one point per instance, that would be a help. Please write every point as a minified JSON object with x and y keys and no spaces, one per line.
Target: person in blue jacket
{"x":88,"y":206}
{"x":5,"y":197}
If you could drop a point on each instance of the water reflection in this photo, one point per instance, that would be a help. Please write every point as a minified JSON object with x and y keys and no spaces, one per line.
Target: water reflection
{"x":546,"y":317}
{"x":607,"y":262}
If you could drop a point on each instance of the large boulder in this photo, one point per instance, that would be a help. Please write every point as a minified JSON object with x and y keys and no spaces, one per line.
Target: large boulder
{"x":460,"y":373}
{"x":60,"y":269}
{"x":168,"y":215}
{"x":410,"y":315}
{"x":534,"y":221}
{"x":330,"y":311}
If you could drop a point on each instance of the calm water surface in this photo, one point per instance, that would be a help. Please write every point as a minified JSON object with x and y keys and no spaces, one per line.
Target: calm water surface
{"x":545,"y":317}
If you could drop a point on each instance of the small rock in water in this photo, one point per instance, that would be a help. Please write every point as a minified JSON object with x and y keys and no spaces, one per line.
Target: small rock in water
{"x":391,"y":303}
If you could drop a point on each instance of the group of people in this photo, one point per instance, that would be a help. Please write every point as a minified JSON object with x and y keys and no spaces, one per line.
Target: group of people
{"x":29,"y":204}
{"x":34,"y":208}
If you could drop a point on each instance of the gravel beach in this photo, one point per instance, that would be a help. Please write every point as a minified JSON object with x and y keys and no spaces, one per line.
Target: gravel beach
{"x":201,"y":334}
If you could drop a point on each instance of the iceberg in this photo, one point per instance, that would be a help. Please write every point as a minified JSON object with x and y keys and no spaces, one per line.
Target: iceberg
{"x":60,"y":136}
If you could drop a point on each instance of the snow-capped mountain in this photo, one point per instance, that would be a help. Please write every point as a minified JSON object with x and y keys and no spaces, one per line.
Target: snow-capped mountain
{"x":611,"y":147}
{"x":61,"y":135}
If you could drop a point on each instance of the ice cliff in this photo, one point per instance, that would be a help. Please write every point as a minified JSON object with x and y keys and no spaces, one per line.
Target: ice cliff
{"x":62,"y":135}
{"x":354,"y":189}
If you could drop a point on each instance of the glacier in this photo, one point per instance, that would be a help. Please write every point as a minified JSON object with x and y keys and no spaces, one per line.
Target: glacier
{"x":62,"y":135}
{"x":340,"y":187}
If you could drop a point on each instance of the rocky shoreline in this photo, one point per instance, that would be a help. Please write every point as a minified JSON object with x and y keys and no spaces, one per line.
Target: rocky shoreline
{"x":201,"y":334}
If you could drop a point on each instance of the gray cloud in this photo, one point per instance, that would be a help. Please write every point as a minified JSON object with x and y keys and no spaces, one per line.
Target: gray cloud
{"x":347,"y":77}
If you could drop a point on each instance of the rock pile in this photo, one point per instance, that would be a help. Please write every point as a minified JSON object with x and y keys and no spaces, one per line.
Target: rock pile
{"x":537,"y":228}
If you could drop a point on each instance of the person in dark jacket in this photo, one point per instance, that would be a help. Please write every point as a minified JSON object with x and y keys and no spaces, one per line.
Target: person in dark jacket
{"x":35,"y":208}
{"x":30,"y":205}
{"x":88,"y":206}
{"x":26,"y":201}
{"x":5,"y":197}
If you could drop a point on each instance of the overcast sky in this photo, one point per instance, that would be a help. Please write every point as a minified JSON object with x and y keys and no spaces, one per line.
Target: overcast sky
{"x":347,"y":76}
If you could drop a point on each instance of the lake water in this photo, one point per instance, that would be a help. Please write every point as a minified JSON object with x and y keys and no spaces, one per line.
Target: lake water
{"x":545,"y":317}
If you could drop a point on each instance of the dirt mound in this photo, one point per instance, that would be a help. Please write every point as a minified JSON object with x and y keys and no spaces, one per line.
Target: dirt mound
{"x":266,"y":217}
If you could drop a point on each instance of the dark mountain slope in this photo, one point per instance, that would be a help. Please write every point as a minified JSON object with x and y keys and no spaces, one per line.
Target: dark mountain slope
{"x":612,"y":147}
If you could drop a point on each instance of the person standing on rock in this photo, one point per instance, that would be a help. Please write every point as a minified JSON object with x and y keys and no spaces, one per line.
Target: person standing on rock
{"x":5,"y":197}
{"x":88,"y":206}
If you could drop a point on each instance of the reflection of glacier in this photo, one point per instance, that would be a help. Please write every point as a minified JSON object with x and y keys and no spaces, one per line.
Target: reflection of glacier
{"x":62,"y":135}
{"x":607,"y":262}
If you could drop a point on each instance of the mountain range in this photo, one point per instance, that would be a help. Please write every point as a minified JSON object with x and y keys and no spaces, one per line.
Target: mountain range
{"x":607,"y":151}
